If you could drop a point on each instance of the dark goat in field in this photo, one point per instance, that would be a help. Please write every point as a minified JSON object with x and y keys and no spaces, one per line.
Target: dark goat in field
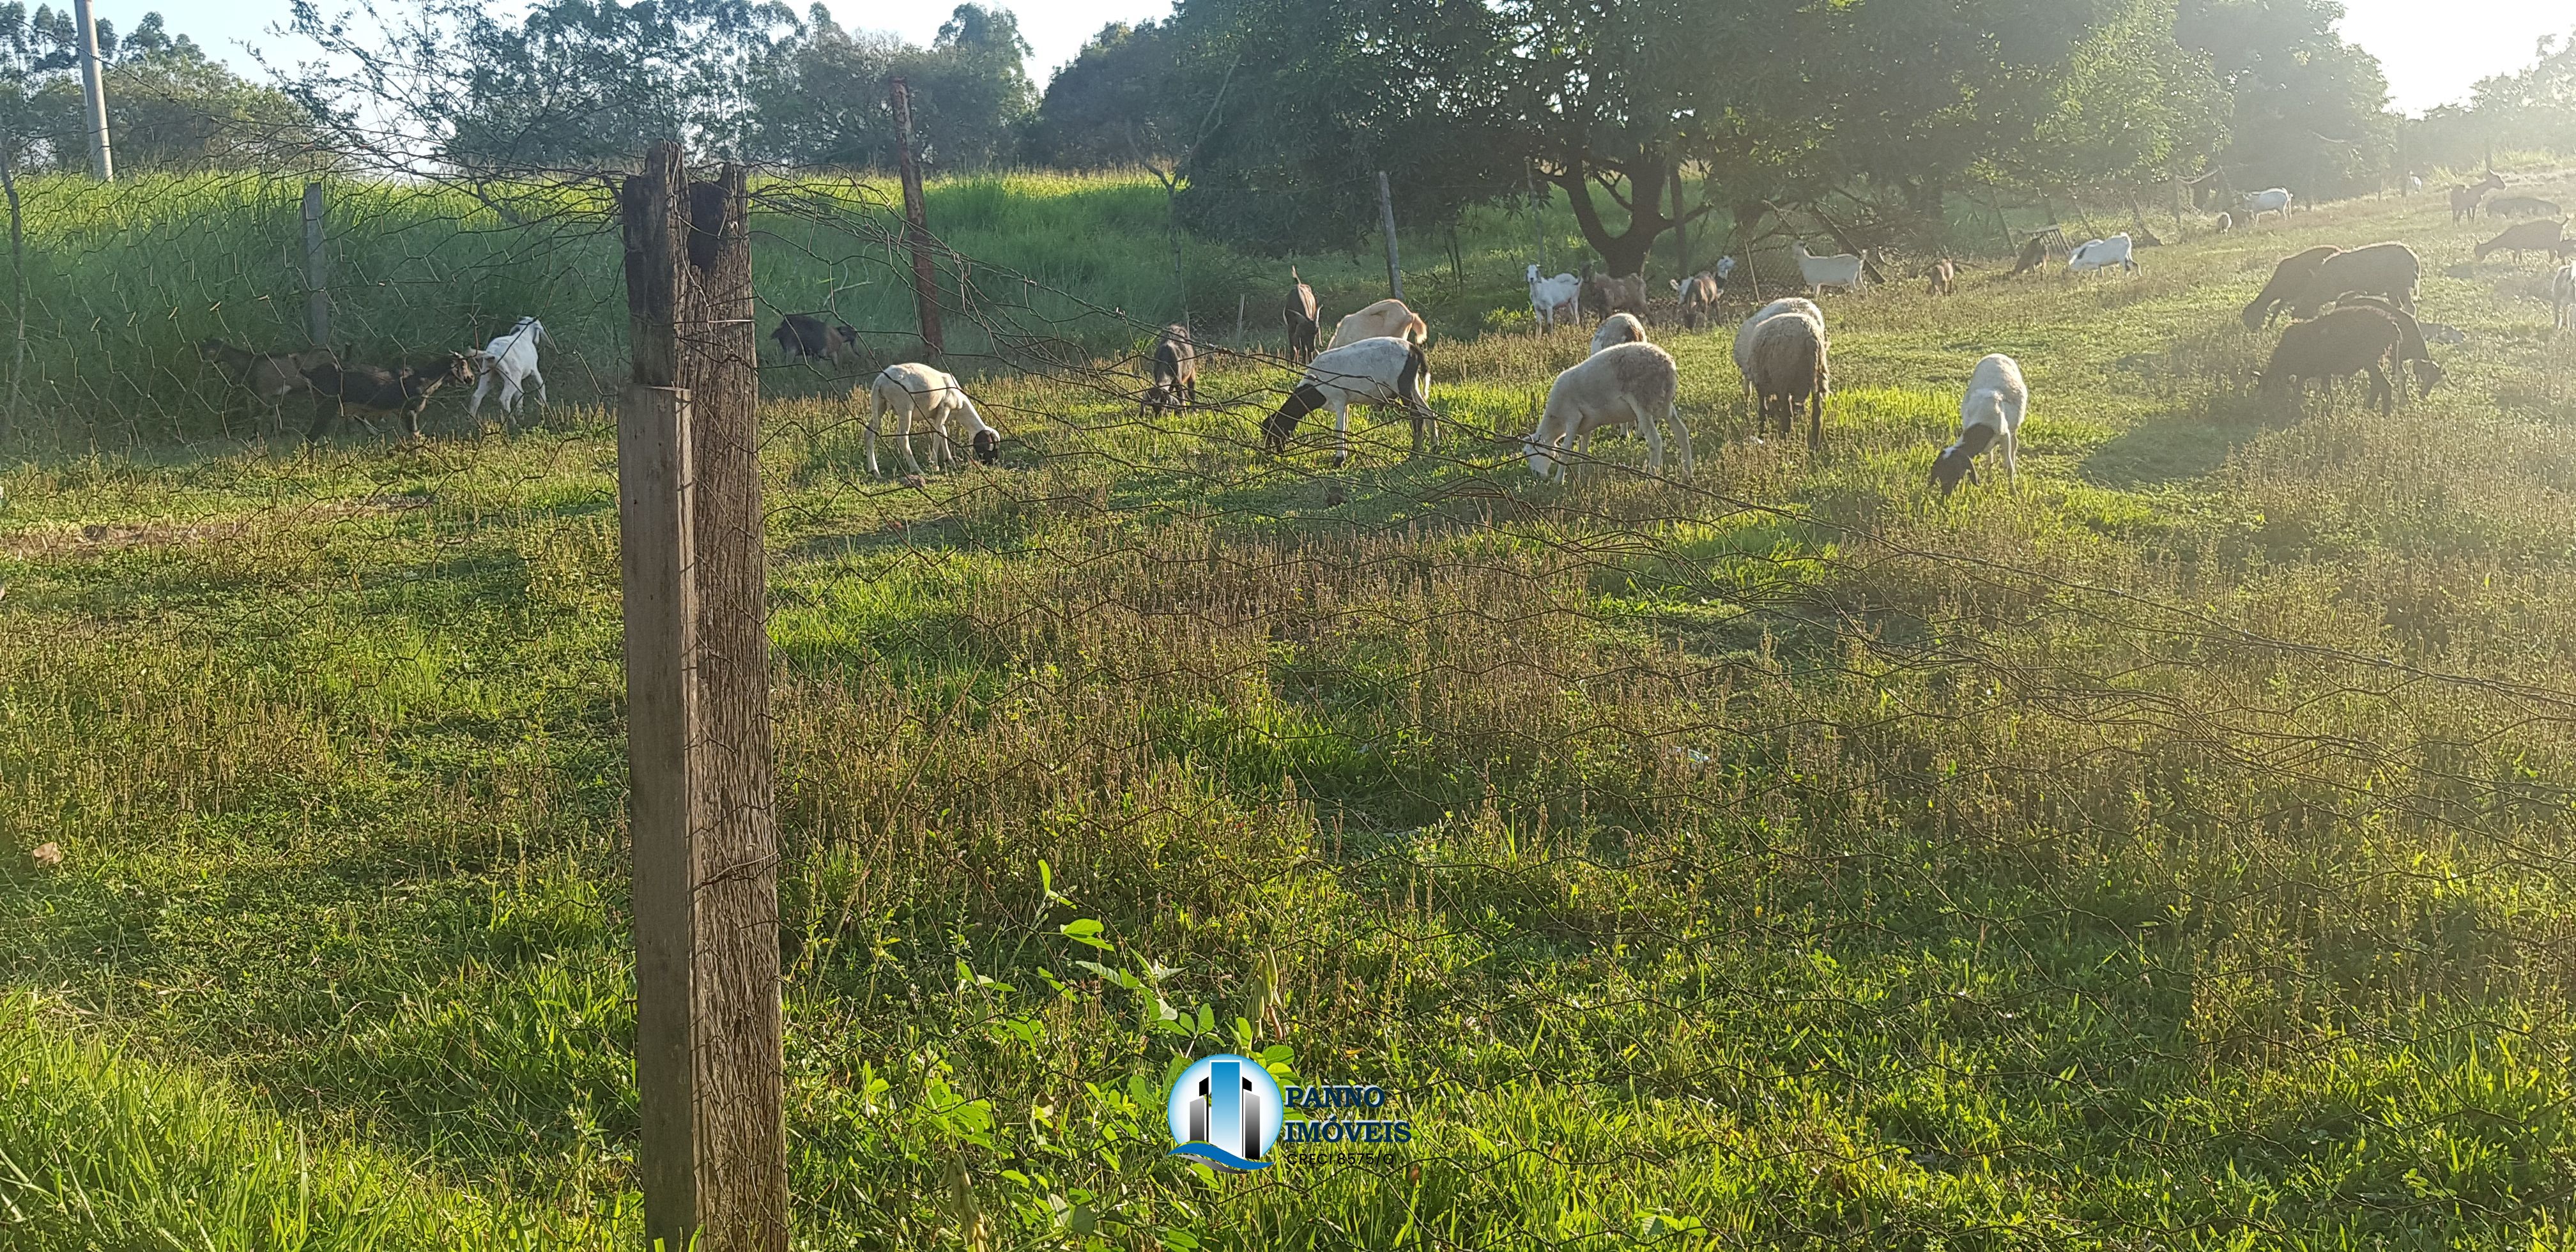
{"x":2410,"y":343}
{"x":1176,"y":373}
{"x":269,"y":377}
{"x":2521,"y":206}
{"x":1304,"y":319}
{"x":805,"y":335}
{"x":2527,"y":237}
{"x":2035,"y":250}
{"x":403,"y":390}
{"x":2345,"y":341}
{"x":2303,"y":282}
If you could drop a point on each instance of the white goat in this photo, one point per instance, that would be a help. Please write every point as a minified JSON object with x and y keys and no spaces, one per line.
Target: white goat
{"x":1383,"y":370}
{"x":1820,"y":272}
{"x":2562,"y":294}
{"x":1616,"y":329}
{"x":2272,"y":200}
{"x":1991,"y":411}
{"x":920,"y":393}
{"x":1631,"y":384}
{"x":2102,"y":254}
{"x":1556,"y":301}
{"x":1387,"y":318}
{"x":1744,"y":333}
{"x":510,"y":360}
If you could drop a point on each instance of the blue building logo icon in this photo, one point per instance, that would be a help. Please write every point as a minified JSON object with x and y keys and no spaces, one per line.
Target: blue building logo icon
{"x":1226,"y":1110}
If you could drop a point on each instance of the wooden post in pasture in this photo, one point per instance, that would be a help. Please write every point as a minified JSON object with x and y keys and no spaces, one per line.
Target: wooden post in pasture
{"x":1681,"y":228}
{"x":102,"y":164}
{"x":317,"y":278}
{"x":17,"y":286}
{"x":1386,"y":221}
{"x":1538,"y":219}
{"x":1239,"y":300}
{"x":708,"y":1060}
{"x":916,"y":229}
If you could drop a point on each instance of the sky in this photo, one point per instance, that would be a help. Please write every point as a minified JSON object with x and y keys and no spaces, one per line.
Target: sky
{"x":2433,"y":50}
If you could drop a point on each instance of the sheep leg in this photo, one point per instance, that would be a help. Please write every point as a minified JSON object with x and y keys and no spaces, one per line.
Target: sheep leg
{"x":2381,"y":394}
{"x":876,"y":410}
{"x":1341,"y":431}
{"x":482,"y":387}
{"x":2012,"y":471}
{"x":540,"y":380}
{"x":1815,"y":420}
{"x":1681,"y":435}
{"x":903,"y":438}
{"x":1646,"y":425}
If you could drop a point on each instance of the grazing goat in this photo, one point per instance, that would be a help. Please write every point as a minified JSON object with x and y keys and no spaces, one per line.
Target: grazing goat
{"x":511,"y":361}
{"x":1752,"y":325}
{"x":805,"y":335}
{"x":2562,"y":294}
{"x":2411,"y":347}
{"x":1820,"y":272}
{"x":1176,"y":373}
{"x":1616,"y":329}
{"x":917,"y":392}
{"x":1630,"y":384}
{"x":1790,"y":367}
{"x":1944,"y":274}
{"x":1698,"y":297}
{"x":270,"y":377}
{"x":2102,"y":254}
{"x":2271,"y":200}
{"x":2525,"y":237}
{"x":1386,"y":319}
{"x":2521,"y":206}
{"x":1990,"y":412}
{"x":1555,"y":301}
{"x":2036,"y":250}
{"x":1383,"y":370}
{"x":2345,"y":341}
{"x":1624,"y":295}
{"x":404,"y":390}
{"x":2303,"y":282}
{"x":1304,"y":319}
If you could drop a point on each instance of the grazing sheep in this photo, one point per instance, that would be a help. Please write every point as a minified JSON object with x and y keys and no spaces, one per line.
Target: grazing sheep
{"x":2562,"y":294}
{"x":1555,"y":301}
{"x":1991,"y":411}
{"x":1385,"y":319}
{"x":1698,"y":297}
{"x":1819,"y":272}
{"x":269,"y":376}
{"x":921,"y":394}
{"x":404,"y":390}
{"x":1790,"y":367}
{"x":806,"y":335}
{"x":2102,"y":254}
{"x":2303,"y":282}
{"x":1176,"y":373}
{"x":511,"y":361}
{"x":2526,"y":237}
{"x":1382,"y":370}
{"x":2410,"y":339}
{"x":2272,"y":200}
{"x":1616,"y":329}
{"x":2345,"y":341}
{"x":1630,"y":384}
{"x":1303,"y":318}
{"x":2036,"y":250}
{"x":1944,"y":274}
{"x":1744,"y":334}
{"x":2521,"y":206}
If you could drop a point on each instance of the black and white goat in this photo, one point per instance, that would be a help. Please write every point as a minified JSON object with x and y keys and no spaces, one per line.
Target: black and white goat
{"x":934,"y":399}
{"x":1380,"y":370}
{"x":1989,"y":414}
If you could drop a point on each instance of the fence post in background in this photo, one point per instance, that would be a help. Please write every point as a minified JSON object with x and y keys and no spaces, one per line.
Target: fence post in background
{"x":1386,"y":221}
{"x":102,"y":166}
{"x":916,"y":229}
{"x":317,"y":277}
{"x":1538,"y":219}
{"x":708,"y":1059}
{"x":1681,"y":227}
{"x":1240,"y":299}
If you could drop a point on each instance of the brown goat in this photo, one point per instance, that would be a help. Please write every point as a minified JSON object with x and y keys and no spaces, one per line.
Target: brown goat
{"x":2526,"y":237}
{"x":2345,"y":341}
{"x":1303,"y":318}
{"x":2410,"y":344}
{"x":2302,"y":283}
{"x":1698,"y":298}
{"x":806,"y":335}
{"x":2036,"y":250}
{"x":1944,"y":274}
{"x":269,"y":377}
{"x":1176,"y":373}
{"x":404,"y":390}
{"x":2521,"y":206}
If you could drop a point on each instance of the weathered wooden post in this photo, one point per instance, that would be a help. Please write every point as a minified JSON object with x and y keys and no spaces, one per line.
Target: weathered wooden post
{"x":708,"y":1063}
{"x":317,"y":275}
{"x":1386,"y":222}
{"x":916,"y":229}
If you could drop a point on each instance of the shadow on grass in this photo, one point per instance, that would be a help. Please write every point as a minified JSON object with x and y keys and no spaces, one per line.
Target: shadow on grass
{"x":2168,"y":450}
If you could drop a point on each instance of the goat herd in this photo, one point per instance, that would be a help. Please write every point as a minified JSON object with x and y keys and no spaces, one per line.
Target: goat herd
{"x":2353,"y":312}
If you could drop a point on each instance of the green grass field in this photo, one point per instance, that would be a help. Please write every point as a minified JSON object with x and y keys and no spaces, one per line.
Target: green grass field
{"x":2174,"y":853}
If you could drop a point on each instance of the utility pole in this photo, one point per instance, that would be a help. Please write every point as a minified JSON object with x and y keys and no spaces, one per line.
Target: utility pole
{"x":1386,"y":220}
{"x":916,"y":229}
{"x":102,"y":166}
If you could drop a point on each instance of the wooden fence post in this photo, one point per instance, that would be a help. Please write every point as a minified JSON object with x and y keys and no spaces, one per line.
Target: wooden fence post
{"x":709,"y":1070}
{"x":916,"y":229}
{"x":317,"y":275}
{"x":1386,"y":222}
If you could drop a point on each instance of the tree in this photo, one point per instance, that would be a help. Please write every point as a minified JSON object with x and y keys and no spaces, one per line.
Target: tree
{"x":2310,"y":111}
{"x":1112,"y":103}
{"x":822,"y":96}
{"x":169,"y":106}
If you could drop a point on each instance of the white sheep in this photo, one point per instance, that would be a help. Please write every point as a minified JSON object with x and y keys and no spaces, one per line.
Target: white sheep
{"x":1820,"y":272}
{"x":1792,"y":366}
{"x":1630,"y":384}
{"x":1744,"y":333}
{"x":1555,"y":301}
{"x":1385,"y":319}
{"x":2272,"y":200}
{"x":510,"y":360}
{"x":1991,"y":411}
{"x":1616,"y":329}
{"x":918,"y":392}
{"x":2102,"y":254}
{"x":1382,"y":370}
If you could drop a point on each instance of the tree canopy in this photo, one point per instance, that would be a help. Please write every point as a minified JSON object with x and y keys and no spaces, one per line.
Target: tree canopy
{"x":169,"y":106}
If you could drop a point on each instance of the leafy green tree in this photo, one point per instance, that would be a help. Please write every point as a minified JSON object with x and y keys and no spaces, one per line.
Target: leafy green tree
{"x":1113,"y":105}
{"x":2310,"y":110}
{"x":823,"y":98}
{"x":169,"y":106}
{"x":2532,"y":108}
